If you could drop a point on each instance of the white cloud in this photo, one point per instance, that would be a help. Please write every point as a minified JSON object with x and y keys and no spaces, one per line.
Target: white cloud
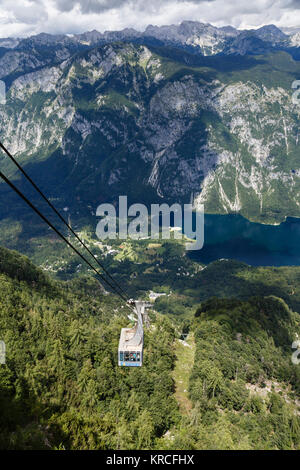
{"x":25,"y":17}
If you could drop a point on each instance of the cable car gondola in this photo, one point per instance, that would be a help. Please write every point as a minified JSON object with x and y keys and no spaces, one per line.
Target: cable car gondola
{"x":131,"y":344}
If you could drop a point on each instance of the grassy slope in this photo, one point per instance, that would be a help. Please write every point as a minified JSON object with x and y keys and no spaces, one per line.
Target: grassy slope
{"x":185,"y":351}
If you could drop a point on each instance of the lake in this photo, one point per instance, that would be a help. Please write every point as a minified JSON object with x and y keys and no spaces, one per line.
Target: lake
{"x":232,"y":236}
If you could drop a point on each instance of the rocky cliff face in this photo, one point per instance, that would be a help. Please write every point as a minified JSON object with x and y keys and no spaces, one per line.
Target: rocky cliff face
{"x":131,"y":119}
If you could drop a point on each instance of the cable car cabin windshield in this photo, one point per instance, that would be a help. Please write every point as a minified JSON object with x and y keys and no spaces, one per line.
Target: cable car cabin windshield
{"x":130,"y":358}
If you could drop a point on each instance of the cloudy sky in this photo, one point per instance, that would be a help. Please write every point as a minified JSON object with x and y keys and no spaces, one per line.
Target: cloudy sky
{"x":26,"y":17}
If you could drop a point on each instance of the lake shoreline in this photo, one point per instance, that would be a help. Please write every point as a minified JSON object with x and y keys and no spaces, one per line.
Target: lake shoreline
{"x":232,"y":236}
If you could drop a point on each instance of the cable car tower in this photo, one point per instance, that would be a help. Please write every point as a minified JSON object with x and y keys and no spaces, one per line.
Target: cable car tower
{"x":131,"y":342}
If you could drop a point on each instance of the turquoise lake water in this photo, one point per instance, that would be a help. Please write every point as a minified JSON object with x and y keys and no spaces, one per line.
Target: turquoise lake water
{"x":233,"y":237}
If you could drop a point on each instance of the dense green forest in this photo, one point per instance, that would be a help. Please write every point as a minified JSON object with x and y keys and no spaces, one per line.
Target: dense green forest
{"x":61,"y":387}
{"x":243,"y":385}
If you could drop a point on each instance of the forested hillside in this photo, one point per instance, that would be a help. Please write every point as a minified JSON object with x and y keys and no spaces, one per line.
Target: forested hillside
{"x":61,"y":387}
{"x":244,"y":387}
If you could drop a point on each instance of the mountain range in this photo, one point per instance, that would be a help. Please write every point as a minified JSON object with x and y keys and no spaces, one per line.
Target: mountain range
{"x":176,"y":113}
{"x":194,"y":36}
